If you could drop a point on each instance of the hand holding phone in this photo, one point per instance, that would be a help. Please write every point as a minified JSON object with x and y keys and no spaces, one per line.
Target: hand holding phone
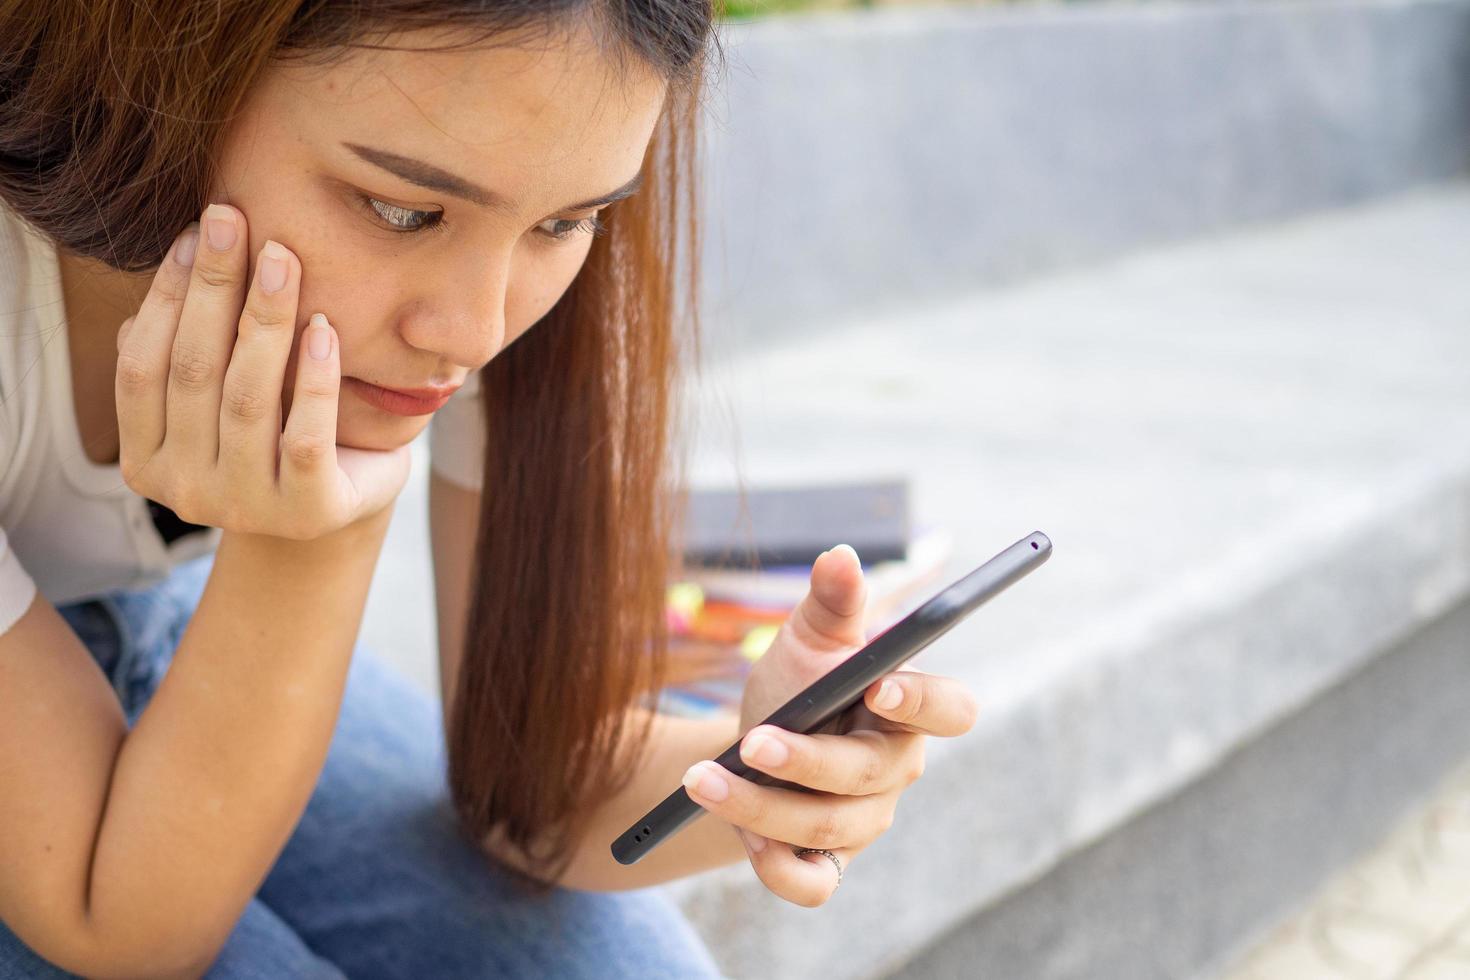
{"x":842,"y":687}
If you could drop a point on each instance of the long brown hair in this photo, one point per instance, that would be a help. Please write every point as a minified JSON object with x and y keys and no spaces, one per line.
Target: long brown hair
{"x":111,"y":115}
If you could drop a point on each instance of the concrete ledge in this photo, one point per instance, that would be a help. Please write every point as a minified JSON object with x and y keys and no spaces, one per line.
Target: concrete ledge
{"x":890,"y":158}
{"x":1172,"y":894}
{"x":1253,"y":456}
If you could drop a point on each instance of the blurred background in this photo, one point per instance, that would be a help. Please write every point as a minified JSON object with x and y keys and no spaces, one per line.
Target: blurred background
{"x":1185,"y":286}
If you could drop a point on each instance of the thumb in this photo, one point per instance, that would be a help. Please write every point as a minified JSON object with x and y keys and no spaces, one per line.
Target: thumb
{"x":833,"y":615}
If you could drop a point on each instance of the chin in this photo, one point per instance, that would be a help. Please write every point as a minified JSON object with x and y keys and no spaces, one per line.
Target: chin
{"x":383,"y":432}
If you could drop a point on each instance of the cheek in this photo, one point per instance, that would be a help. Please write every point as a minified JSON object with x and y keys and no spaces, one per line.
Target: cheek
{"x":351,"y":300}
{"x":331,"y":278}
{"x":338,"y":279}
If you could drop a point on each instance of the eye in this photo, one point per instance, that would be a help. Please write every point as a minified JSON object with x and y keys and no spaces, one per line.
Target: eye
{"x":408,"y":221}
{"x":563,"y":229}
{"x":404,"y":220}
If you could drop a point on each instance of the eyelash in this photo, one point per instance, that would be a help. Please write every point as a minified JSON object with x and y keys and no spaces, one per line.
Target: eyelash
{"x":590,"y":225}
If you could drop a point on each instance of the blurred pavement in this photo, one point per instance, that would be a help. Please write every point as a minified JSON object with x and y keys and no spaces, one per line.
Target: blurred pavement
{"x":1401,"y":913}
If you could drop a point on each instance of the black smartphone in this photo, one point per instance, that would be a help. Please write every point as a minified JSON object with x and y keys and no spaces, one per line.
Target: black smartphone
{"x":842,"y":687}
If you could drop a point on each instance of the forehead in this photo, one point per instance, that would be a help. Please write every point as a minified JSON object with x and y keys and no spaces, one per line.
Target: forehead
{"x":552,"y":114}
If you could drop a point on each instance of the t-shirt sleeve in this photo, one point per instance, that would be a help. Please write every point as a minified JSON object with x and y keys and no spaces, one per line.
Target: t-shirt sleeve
{"x":17,"y":589}
{"x":457,"y":437}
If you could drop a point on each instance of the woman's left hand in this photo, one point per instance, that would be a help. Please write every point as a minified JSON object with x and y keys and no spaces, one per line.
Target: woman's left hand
{"x":852,"y":770}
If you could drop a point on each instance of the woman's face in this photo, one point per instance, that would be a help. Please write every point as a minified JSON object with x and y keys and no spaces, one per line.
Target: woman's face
{"x":335,"y":163}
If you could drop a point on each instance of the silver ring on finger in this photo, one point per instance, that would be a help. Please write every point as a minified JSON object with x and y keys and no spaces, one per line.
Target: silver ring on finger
{"x":830,"y":855}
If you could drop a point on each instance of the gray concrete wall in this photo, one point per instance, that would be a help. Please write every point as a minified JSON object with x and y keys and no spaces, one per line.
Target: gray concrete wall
{"x":879,"y":160}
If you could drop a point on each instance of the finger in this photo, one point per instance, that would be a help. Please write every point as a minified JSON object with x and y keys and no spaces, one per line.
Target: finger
{"x":250,"y":408}
{"x":933,"y":705}
{"x":144,"y":345}
{"x":832,"y":615}
{"x":856,"y":764}
{"x":309,"y":442}
{"x":808,"y":880}
{"x":206,"y":333}
{"x":802,"y":818}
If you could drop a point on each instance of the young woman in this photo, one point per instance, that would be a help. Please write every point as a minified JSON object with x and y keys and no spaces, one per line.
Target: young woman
{"x":247,"y":251}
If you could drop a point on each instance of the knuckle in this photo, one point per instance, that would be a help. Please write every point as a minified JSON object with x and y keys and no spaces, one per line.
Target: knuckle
{"x":186,"y":503}
{"x":885,"y":820}
{"x":752,"y":810}
{"x":814,"y":767}
{"x":216,"y":273}
{"x":170,"y":287}
{"x":306,"y":449}
{"x":247,"y":404}
{"x":190,"y":368}
{"x":914,"y":695}
{"x":871,"y":773}
{"x":916,"y":771}
{"x":825,"y":829}
{"x":316,"y":387}
{"x":133,"y":375}
{"x":268,"y":317}
{"x":132,"y":469}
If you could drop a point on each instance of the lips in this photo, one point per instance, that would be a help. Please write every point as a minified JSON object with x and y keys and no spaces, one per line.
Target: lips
{"x":400,"y":401}
{"x":427,"y":394}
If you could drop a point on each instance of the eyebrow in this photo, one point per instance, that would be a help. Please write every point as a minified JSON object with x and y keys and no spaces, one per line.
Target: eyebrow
{"x":427,"y":175}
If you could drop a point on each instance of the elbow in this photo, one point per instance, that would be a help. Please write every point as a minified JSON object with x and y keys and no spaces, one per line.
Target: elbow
{"x":581,"y":874}
{"x":593,"y":872}
{"x":126,"y":955}
{"x":172,"y":962}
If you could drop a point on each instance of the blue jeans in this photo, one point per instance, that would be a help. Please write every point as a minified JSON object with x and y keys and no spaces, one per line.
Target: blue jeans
{"x":375,"y":880}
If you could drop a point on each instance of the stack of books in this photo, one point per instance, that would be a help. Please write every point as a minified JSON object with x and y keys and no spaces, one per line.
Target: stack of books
{"x":748,"y":563}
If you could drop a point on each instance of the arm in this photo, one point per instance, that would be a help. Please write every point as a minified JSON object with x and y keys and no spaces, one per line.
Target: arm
{"x":675,"y":743}
{"x":709,"y":842}
{"x":131,"y":853}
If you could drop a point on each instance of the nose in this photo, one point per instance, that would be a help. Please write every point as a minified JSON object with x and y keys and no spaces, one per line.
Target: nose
{"x":459,"y":311}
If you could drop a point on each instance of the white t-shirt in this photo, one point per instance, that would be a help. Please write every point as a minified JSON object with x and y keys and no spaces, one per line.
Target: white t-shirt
{"x":71,"y":528}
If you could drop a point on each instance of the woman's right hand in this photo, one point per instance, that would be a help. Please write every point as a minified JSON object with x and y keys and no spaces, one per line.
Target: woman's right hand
{"x":198,"y":387}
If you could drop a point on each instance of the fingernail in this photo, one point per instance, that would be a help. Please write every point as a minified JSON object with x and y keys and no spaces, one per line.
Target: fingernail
{"x":219,"y":223}
{"x":318,"y":337}
{"x":186,"y":245}
{"x":766,"y":749}
{"x":889,"y":695}
{"x":700,"y":781}
{"x":851,"y":551}
{"x":272,"y":269}
{"x":755,"y":842}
